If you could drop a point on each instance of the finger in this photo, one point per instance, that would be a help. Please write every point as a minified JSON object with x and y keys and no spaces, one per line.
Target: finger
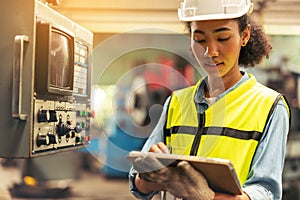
{"x":142,"y":165}
{"x":147,"y":164}
{"x":155,"y":149}
{"x":190,"y":171}
{"x":161,"y":176}
{"x":146,"y":177}
{"x":163,"y":147}
{"x":185,"y":166}
{"x":158,"y":176}
{"x":139,"y":165}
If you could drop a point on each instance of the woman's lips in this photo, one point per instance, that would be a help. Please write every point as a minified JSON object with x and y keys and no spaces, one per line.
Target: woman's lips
{"x":210,"y":65}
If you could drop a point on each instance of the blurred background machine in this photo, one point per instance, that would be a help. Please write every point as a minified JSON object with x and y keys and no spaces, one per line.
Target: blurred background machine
{"x":281,"y":72}
{"x":45,"y":87}
{"x":137,"y":100}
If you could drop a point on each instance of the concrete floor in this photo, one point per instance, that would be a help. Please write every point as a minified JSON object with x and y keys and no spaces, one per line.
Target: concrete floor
{"x":89,"y":186}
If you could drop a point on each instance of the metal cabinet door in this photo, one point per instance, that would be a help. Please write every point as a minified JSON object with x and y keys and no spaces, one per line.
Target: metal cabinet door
{"x":16,"y":76}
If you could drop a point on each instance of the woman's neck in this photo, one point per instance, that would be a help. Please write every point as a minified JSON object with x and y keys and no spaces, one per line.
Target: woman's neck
{"x":218,"y":85}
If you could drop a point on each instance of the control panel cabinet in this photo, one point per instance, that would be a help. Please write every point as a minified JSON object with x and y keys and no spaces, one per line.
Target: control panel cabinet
{"x":33,"y":121}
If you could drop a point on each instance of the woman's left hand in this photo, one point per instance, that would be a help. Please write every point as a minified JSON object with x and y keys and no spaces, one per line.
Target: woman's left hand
{"x":183,"y":181}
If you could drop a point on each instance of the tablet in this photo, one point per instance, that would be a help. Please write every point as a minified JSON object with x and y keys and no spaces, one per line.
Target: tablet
{"x":220,"y":173}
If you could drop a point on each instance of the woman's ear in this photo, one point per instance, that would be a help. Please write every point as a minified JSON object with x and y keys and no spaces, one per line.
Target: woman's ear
{"x":245,"y":35}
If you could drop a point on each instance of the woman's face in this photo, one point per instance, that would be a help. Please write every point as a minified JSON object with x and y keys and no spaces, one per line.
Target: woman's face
{"x":216,"y":45}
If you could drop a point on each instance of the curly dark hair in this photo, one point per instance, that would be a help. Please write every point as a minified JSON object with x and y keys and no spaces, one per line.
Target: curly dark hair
{"x":258,"y":46}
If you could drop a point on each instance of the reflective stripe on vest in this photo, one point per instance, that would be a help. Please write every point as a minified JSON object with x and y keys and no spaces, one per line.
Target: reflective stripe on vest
{"x":232,"y":127}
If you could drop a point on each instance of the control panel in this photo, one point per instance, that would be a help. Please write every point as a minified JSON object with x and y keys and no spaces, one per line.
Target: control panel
{"x":59,"y":125}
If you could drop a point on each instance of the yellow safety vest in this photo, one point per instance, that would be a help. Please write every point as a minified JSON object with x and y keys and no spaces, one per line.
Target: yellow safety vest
{"x":230,"y":129}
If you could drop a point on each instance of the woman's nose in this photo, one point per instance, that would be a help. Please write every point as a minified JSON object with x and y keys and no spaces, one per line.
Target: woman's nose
{"x":211,"y":51}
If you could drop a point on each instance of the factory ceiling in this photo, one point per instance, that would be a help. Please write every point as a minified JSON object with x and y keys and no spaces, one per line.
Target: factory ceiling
{"x":115,"y":16}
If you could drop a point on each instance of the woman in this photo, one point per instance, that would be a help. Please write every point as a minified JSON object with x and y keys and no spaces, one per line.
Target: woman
{"x":228,"y":114}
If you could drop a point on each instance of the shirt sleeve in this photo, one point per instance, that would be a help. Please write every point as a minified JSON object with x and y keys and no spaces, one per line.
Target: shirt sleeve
{"x":265,"y":176}
{"x":155,"y":137}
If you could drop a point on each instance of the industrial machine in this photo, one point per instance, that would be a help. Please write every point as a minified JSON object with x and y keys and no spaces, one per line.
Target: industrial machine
{"x":45,"y":81}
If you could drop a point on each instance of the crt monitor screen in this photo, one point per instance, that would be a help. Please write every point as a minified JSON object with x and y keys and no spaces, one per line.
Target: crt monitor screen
{"x":61,"y":69}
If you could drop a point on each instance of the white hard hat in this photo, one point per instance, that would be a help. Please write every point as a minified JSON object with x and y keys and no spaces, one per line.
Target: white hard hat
{"x":198,"y":10}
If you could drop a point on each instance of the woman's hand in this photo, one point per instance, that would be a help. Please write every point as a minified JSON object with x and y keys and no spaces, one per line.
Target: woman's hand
{"x":140,"y":165}
{"x":182,"y":181}
{"x":159,"y":148}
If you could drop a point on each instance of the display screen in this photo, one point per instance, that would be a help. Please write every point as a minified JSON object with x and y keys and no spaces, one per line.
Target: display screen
{"x":60,"y":61}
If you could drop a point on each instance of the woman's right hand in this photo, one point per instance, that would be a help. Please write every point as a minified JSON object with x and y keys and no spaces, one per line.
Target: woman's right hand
{"x":159,"y":148}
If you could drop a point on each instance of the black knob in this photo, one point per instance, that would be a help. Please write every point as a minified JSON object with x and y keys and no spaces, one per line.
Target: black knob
{"x":78,"y":128}
{"x":62,"y":129}
{"x":42,"y":140}
{"x":53,"y":139}
{"x":43,"y":115}
{"x":52,"y":116}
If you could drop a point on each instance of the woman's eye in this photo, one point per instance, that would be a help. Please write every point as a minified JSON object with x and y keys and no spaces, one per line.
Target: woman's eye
{"x":199,"y":40}
{"x":223,"y":39}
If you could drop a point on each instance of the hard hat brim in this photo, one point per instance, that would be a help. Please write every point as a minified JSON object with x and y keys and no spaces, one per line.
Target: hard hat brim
{"x":218,"y":16}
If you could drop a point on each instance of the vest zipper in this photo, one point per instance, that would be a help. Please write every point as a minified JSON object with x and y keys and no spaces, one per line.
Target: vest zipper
{"x":197,"y":138}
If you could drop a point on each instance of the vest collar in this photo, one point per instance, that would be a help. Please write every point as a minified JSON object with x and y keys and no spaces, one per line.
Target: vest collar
{"x":201,"y":85}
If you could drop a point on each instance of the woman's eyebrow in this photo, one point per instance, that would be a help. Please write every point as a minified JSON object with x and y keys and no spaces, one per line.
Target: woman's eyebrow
{"x":198,"y":31}
{"x":221,"y":29}
{"x":215,"y":31}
